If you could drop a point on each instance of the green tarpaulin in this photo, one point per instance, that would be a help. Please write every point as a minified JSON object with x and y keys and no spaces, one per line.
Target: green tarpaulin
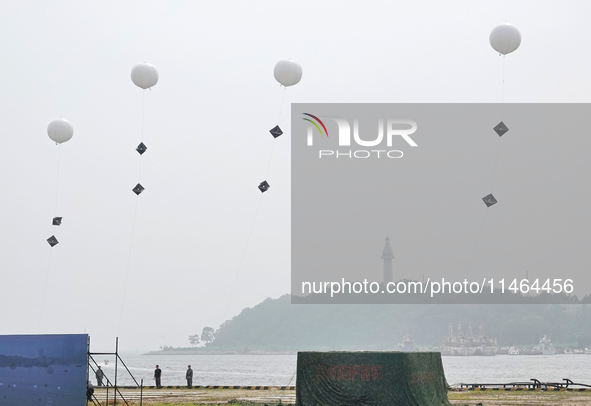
{"x":370,"y":378}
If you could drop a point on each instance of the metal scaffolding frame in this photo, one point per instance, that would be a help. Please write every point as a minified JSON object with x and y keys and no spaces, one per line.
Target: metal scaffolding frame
{"x":113,"y":384}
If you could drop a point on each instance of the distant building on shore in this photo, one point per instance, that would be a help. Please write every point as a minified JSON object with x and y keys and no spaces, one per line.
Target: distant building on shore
{"x":388,"y":256}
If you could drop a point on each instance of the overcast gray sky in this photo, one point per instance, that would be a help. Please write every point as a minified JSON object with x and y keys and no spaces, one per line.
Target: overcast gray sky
{"x":206,"y":127}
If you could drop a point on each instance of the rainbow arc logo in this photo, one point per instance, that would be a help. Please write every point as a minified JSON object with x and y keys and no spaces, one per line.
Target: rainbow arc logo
{"x":316,"y":125}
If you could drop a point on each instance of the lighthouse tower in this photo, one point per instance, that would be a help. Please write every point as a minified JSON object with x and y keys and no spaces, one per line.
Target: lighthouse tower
{"x":388,"y":256}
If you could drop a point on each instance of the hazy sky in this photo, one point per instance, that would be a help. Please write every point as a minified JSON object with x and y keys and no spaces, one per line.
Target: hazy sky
{"x":206,"y":127}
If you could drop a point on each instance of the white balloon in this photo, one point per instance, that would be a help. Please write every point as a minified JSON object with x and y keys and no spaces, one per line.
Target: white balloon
{"x":60,"y":130}
{"x":144,"y":75}
{"x":505,"y":38}
{"x":288,"y":73}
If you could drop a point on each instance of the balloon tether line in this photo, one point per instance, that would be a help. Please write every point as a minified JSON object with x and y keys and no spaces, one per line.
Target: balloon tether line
{"x":274,"y":139}
{"x":143,"y":112}
{"x":503,"y":83}
{"x":139,"y":175}
{"x":257,"y":209}
{"x":503,"y":89}
{"x":243,"y":255}
{"x":44,"y":290}
{"x":477,"y":240}
{"x":142,"y":133}
{"x":494,"y":169}
{"x":134,"y":215}
{"x":499,"y":140}
{"x":270,"y":159}
{"x":57,"y":180}
{"x":128,"y":264}
{"x":281,"y":104}
{"x":290,"y":380}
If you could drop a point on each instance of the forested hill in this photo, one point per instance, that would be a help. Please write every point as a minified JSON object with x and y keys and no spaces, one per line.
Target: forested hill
{"x":277,"y":325}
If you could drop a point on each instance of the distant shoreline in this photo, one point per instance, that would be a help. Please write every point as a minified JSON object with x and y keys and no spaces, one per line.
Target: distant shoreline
{"x":261,"y":352}
{"x":205,"y":352}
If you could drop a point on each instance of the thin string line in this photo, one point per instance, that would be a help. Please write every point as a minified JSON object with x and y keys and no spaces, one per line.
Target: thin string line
{"x":256,"y":211}
{"x":281,"y":104}
{"x":499,"y":140}
{"x":243,"y":255}
{"x":44,"y":290}
{"x":143,"y":111}
{"x":134,"y":215}
{"x":495,"y":167}
{"x":57,"y":181}
{"x":274,"y":139}
{"x":494,"y":170}
{"x":503,"y":89}
{"x":289,"y":383}
{"x":270,"y":159}
{"x":477,"y":240}
{"x":128,"y":263}
{"x":139,"y":176}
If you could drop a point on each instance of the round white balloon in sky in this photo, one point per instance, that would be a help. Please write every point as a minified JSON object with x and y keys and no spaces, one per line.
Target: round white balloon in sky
{"x":505,"y":38}
{"x":144,"y":75}
{"x":288,"y":72}
{"x":60,"y":130}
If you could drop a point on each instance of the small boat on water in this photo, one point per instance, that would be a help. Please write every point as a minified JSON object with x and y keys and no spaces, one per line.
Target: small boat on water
{"x":465,"y":343}
{"x":407,"y":344}
{"x":513,"y":351}
{"x":544,"y":347}
{"x":530,"y":351}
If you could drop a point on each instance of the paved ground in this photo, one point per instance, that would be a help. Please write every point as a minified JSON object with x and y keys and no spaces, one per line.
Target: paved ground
{"x":521,"y":398}
{"x":273,"y":396}
{"x":198,"y":396}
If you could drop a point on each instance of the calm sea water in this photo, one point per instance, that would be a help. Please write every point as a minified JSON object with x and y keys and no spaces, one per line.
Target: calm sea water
{"x":280,"y":369}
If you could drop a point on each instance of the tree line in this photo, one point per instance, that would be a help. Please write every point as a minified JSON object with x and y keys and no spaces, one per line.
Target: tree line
{"x":279,"y":325}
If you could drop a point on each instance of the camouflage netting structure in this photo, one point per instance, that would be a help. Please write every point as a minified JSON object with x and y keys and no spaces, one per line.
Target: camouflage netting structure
{"x":370,"y":378}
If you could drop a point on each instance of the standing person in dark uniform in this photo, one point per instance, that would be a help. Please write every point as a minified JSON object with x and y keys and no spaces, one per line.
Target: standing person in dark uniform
{"x":157,"y":375}
{"x":99,"y":376}
{"x":189,"y":376}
